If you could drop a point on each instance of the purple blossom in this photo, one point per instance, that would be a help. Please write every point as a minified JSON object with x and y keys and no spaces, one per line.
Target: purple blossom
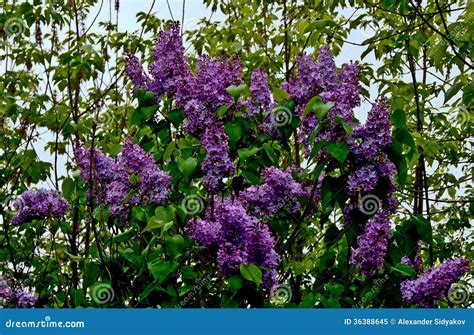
{"x":362,"y":180}
{"x":25,"y":299}
{"x":260,"y":252}
{"x":261,"y":97}
{"x":279,"y":191}
{"x":104,"y":169}
{"x":20,"y":297}
{"x":169,"y":68}
{"x":152,"y":185}
{"x":229,"y":258}
{"x":39,"y":205}
{"x":375,"y":134}
{"x":372,"y":245}
{"x":136,"y":73}
{"x":217,"y":163}
{"x":239,"y":238}
{"x":206,"y":232}
{"x":208,"y":91}
{"x":434,"y":283}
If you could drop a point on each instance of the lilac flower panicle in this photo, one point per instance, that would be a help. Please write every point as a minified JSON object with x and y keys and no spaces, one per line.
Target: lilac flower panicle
{"x":376,"y":132}
{"x":229,"y":258}
{"x":239,"y":238}
{"x":170,"y":68}
{"x":260,"y":252}
{"x":40,"y":205}
{"x":217,"y":163}
{"x":372,"y":245}
{"x":20,"y":297}
{"x":114,"y":177}
{"x":261,"y":97}
{"x":25,"y":299}
{"x":279,"y":191}
{"x":434,"y":283}
{"x":136,"y":73}
{"x":206,"y":232}
{"x":362,"y":180}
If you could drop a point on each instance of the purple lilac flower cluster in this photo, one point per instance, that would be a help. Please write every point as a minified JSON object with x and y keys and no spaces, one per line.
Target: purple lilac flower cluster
{"x":39,"y":205}
{"x":169,"y":70}
{"x":19,"y":297}
{"x":279,"y":190}
{"x":113,"y":178}
{"x":372,"y":245}
{"x":217,"y":163}
{"x":237,"y":238}
{"x":261,"y":97}
{"x":434,"y":283}
{"x":321,"y":78}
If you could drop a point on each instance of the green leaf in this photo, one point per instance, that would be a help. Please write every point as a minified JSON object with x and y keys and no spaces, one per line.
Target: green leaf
{"x":403,"y":270}
{"x":280,"y":94}
{"x":176,"y":117}
{"x":336,"y":290}
{"x":187,"y":166}
{"x":235,"y":283}
{"x":316,"y":104}
{"x":451,"y":92}
{"x":424,"y":229}
{"x":234,"y":131}
{"x":68,"y":187}
{"x":162,"y":269}
{"x":251,"y":272}
{"x":338,"y":150}
{"x":270,"y":153}
{"x":347,"y":128}
{"x":399,"y":118}
{"x":236,"y":91}
{"x":247,"y":152}
{"x":175,"y":245}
